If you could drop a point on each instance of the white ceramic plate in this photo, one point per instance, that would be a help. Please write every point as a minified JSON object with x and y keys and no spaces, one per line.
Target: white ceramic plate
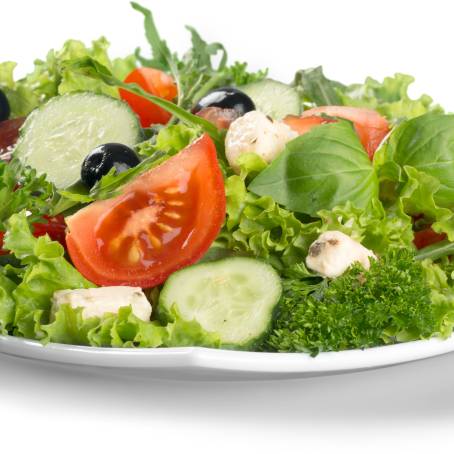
{"x":203,"y":363}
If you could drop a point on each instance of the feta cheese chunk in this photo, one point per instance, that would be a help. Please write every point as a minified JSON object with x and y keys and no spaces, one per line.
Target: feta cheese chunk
{"x":334,"y":252}
{"x":255,"y":133}
{"x":99,"y":301}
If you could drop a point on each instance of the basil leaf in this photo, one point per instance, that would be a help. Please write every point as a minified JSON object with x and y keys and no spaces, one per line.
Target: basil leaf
{"x":426,"y":143}
{"x":320,"y":170}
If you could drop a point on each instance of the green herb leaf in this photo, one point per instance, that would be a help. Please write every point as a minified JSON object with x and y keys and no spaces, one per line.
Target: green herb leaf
{"x":320,"y":170}
{"x":389,"y":303}
{"x":315,"y":88}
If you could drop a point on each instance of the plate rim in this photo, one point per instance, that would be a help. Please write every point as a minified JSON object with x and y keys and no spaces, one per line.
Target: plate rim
{"x":227,"y":360}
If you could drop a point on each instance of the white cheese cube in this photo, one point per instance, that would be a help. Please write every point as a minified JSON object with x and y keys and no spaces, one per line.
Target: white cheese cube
{"x":97,"y":302}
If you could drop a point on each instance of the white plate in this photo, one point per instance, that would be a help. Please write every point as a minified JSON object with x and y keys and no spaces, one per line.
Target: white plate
{"x":203,"y":363}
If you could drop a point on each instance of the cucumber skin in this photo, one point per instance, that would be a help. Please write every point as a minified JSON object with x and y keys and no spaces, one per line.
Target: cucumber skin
{"x":34,"y":112}
{"x":166,"y":316}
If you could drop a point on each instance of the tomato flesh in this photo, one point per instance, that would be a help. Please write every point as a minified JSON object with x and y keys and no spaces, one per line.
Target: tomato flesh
{"x":54,"y":226}
{"x":370,"y":126}
{"x":165,"y":219}
{"x":302,"y":125}
{"x":155,"y":82}
{"x":427,"y":237}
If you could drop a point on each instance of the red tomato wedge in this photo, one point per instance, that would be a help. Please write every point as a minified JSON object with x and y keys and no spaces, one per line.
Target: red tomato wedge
{"x":155,"y":82}
{"x":163,"y":220}
{"x":370,"y":126}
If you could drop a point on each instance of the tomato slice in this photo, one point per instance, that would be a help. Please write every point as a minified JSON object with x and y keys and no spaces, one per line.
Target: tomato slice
{"x":157,"y":83}
{"x":370,"y":126}
{"x":164,"y":220}
{"x":302,"y":125}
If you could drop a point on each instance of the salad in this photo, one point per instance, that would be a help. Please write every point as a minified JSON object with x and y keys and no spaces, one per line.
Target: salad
{"x":160,"y":200}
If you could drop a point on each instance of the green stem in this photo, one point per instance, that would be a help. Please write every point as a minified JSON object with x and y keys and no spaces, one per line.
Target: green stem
{"x":436,"y":251}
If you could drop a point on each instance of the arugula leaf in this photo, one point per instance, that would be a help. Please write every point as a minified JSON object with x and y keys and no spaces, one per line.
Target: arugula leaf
{"x":195,"y":73}
{"x":314,"y":87}
{"x":91,"y":68}
{"x":319,"y":170}
{"x":162,"y":57}
{"x":22,"y":189}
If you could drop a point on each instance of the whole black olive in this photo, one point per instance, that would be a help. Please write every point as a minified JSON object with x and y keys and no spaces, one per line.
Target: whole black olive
{"x":4,"y":107}
{"x":226,"y":98}
{"x":105,"y":157}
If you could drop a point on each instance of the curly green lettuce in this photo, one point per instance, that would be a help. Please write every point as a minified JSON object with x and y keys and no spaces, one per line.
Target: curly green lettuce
{"x":50,"y":78}
{"x":389,"y":97}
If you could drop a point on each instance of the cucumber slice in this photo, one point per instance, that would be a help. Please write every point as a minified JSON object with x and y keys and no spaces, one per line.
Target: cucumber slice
{"x":274,"y":98}
{"x":56,"y":137}
{"x":234,"y":298}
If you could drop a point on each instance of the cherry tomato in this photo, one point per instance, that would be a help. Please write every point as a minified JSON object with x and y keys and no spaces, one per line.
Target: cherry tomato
{"x":9,"y":132}
{"x":163,"y":220}
{"x":157,"y":83}
{"x":370,"y":126}
{"x":54,"y":226}
{"x":427,"y":237}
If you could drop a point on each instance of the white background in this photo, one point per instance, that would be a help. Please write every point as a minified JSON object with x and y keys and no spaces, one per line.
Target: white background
{"x":409,"y":408}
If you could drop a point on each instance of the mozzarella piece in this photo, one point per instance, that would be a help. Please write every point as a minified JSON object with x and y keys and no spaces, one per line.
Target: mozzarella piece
{"x":334,"y":252}
{"x":255,"y":133}
{"x":97,"y":302}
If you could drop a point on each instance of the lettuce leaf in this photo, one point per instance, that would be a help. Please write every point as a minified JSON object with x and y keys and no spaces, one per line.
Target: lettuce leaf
{"x":415,"y":170}
{"x":439,"y":277}
{"x":260,"y":227}
{"x":7,"y":304}
{"x":44,"y":270}
{"x":169,"y":140}
{"x":50,"y":78}
{"x":25,"y":302}
{"x":374,"y":227}
{"x":389,"y":97}
{"x":123,"y":330}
